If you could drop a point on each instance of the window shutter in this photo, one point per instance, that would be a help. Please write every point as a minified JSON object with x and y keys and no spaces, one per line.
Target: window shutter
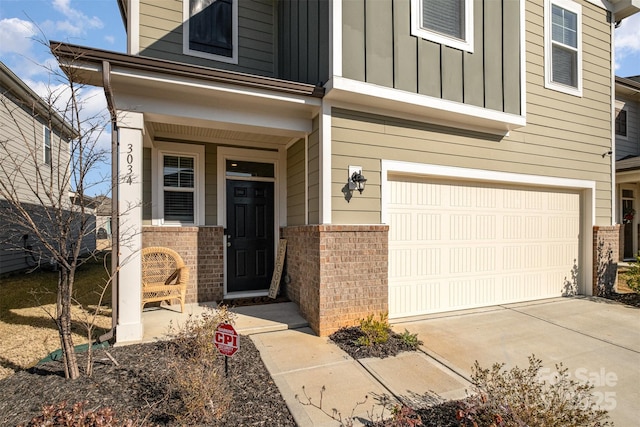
{"x":444,"y":16}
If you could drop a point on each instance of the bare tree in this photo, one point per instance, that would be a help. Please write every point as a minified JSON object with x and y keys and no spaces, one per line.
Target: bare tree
{"x":44,"y":183}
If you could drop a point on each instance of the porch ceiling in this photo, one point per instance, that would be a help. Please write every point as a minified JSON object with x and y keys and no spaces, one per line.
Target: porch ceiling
{"x":179,"y":132}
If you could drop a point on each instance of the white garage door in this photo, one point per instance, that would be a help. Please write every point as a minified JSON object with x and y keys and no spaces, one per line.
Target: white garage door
{"x":456,"y":245}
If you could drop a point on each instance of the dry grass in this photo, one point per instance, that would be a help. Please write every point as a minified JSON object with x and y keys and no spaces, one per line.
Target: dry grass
{"x":27,"y":303}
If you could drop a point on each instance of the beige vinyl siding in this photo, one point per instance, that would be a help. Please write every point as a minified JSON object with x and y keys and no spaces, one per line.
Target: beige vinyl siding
{"x":576,"y":130}
{"x":313,"y":171}
{"x":210,"y":184}
{"x":303,"y":41}
{"x":296,"y":184}
{"x":629,"y":146}
{"x":161,"y":35}
{"x":365,"y":139}
{"x":378,"y":48}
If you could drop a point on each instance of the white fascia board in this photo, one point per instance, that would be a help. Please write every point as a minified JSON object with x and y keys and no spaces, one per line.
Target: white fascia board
{"x":429,"y":108}
{"x":220,"y":87}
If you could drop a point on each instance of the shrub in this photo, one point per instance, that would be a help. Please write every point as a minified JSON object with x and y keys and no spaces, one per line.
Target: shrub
{"x":197,"y":392}
{"x":61,"y":414}
{"x":410,"y":339}
{"x":519,"y":397}
{"x":375,"y":331}
{"x":632,"y":276}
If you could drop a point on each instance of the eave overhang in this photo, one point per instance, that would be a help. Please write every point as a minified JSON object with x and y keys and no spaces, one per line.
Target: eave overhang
{"x":628,"y":170}
{"x":69,"y":55}
{"x":198,"y":96}
{"x":413,"y":106}
{"x":628,"y":88}
{"x":624,"y":8}
{"x":29,"y":98}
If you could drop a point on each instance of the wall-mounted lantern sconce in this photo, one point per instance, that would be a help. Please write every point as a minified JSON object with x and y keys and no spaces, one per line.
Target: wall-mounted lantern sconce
{"x":356,"y":179}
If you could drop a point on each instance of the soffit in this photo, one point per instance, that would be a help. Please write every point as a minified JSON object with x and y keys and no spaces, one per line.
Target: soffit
{"x":179,"y":132}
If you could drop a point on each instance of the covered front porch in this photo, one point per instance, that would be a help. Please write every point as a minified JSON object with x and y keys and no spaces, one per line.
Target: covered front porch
{"x":628,"y":196}
{"x":253,"y":319}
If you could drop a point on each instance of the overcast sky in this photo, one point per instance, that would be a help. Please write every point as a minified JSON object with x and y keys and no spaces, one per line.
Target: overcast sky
{"x":97,"y":23}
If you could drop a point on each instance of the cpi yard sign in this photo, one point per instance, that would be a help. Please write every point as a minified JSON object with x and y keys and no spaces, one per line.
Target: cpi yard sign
{"x":226,"y":339}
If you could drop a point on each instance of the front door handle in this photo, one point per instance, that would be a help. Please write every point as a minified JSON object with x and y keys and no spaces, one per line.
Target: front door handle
{"x":228,"y":240}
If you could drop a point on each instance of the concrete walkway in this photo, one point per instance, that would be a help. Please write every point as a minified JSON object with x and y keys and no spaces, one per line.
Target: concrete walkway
{"x":595,"y":339}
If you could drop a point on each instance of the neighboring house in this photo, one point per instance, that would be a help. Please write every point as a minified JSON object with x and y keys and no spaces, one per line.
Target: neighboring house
{"x":103,"y":222}
{"x":478,"y":125}
{"x":627,"y":155}
{"x":33,"y":137}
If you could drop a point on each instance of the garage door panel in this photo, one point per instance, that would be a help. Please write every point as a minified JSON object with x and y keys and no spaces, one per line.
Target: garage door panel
{"x":461,"y":245}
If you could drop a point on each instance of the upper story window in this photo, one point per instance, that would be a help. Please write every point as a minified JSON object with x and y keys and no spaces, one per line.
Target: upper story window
{"x":448,"y":22}
{"x":47,"y":146}
{"x":211,"y":29}
{"x":563,"y":46}
{"x":621,"y":122}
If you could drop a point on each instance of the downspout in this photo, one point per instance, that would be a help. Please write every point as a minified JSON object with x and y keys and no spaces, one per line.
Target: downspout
{"x":115,"y":205}
{"x":613,"y":26}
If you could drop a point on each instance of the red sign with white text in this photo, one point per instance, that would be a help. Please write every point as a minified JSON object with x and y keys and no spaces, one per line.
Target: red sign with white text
{"x":226,"y":339}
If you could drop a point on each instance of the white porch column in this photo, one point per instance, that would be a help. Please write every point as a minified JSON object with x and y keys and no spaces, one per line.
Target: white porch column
{"x":130,"y":134}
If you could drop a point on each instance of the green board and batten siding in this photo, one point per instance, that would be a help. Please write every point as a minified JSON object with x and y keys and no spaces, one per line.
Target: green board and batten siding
{"x":565,"y":135}
{"x":161,"y":35}
{"x":378,"y":48}
{"x":303,"y":41}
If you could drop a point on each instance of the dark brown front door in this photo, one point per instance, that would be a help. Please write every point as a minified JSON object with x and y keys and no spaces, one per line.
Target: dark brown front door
{"x":250,"y":235}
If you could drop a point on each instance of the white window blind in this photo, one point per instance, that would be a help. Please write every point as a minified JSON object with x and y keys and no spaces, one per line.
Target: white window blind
{"x":179,"y":188}
{"x":564,"y":35}
{"x":444,"y":16}
{"x":446,"y":22}
{"x":563,"y":46}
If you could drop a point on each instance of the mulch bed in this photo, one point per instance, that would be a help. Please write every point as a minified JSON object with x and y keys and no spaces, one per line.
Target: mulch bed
{"x":625,"y":298}
{"x":133,"y":391}
{"x":346,"y":339}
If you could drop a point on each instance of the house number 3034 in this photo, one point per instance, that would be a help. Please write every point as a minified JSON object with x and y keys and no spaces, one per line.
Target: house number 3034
{"x":129,"y":178}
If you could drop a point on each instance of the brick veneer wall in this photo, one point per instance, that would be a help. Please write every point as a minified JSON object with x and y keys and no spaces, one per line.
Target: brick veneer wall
{"x":201,"y":248}
{"x":338,"y":273}
{"x":606,"y":240}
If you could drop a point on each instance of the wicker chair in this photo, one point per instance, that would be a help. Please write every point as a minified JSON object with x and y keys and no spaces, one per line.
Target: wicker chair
{"x":164,"y":276}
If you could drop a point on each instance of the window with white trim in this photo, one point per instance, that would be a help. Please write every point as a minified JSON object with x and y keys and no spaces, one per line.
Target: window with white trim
{"x":178,"y":196}
{"x":178,"y":178}
{"x":563,"y":46}
{"x":448,"y":22}
{"x":47,"y":146}
{"x":621,"y":122}
{"x":211,"y":29}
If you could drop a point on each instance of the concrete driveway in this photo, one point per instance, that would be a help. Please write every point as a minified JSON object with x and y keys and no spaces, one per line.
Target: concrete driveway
{"x":595,"y":339}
